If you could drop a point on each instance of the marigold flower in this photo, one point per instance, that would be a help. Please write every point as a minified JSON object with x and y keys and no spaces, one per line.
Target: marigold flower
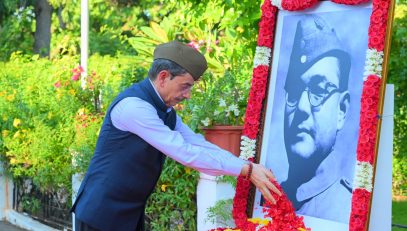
{"x":5,"y":133}
{"x":16,"y":135}
{"x":16,"y":122}
{"x":164,"y":187}
{"x":10,"y":97}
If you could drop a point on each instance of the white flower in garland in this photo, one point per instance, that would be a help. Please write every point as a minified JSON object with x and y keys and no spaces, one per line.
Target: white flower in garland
{"x":373,"y":63}
{"x":277,"y":3}
{"x":262,"y":56}
{"x":363,"y":176}
{"x":247,"y":148}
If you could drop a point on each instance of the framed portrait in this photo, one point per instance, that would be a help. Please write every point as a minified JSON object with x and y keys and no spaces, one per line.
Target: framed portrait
{"x":313,"y":115}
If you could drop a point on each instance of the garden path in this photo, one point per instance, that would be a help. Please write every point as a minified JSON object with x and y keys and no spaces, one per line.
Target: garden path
{"x":6,"y":226}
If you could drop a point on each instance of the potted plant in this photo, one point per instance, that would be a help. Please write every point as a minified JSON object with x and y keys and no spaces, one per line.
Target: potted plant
{"x":219,"y":99}
{"x":223,"y":112}
{"x":217,"y":109}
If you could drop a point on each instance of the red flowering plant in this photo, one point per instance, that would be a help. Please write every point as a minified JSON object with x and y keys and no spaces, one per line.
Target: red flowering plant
{"x":88,"y":114}
{"x":282,"y":215}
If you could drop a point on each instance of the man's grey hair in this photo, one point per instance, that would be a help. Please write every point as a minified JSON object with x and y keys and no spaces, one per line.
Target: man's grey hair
{"x":165,"y":64}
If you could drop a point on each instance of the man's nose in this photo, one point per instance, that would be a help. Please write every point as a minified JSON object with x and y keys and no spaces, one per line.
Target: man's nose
{"x":187,"y":94}
{"x":303,"y":103}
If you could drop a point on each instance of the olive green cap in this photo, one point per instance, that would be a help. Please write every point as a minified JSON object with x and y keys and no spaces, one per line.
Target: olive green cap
{"x":187,"y":57}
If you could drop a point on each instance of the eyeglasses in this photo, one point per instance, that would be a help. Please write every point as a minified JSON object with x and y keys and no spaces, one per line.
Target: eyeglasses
{"x":185,"y":88}
{"x":317,"y":95}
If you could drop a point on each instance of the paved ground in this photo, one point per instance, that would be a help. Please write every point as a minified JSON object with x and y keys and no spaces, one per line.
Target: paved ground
{"x":5,"y":226}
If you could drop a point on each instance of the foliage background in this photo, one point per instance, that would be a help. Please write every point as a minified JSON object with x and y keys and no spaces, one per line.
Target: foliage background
{"x":47,"y":121}
{"x":398,"y":77}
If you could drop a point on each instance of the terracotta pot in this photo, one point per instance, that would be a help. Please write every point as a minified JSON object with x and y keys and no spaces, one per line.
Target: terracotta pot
{"x":226,"y":137}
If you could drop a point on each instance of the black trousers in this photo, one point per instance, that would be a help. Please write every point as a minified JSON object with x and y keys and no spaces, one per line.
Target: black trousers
{"x":81,"y":226}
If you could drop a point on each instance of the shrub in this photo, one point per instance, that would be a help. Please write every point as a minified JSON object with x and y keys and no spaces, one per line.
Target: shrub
{"x":46,"y":116}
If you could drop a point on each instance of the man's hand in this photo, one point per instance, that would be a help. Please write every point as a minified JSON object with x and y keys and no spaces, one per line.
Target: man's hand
{"x":261,"y":178}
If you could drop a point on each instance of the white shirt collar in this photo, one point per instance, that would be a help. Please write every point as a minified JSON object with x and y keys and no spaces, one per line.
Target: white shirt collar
{"x":152,"y":84}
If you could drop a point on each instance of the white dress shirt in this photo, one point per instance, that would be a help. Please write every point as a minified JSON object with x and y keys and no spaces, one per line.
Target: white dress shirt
{"x":181,"y":144}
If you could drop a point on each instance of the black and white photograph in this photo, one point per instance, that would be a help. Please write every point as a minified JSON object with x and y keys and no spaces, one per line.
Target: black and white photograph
{"x":312,"y":119}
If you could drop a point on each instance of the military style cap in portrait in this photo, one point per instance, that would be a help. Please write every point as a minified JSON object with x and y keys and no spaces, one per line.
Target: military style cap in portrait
{"x":315,"y":39}
{"x":187,"y":57}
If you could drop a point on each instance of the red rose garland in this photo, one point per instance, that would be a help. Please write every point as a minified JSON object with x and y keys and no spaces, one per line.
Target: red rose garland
{"x":282,"y":213}
{"x":287,"y":217}
{"x":378,"y":23}
{"x":260,"y":73}
{"x":368,"y":120}
{"x":368,"y":116}
{"x":297,"y":5}
{"x":365,"y":149}
{"x":253,"y":111}
{"x":267,"y":25}
{"x":360,"y":206}
{"x":350,"y":2}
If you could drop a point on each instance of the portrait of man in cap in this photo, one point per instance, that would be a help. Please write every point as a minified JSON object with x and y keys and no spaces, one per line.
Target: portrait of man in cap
{"x":316,"y":106}
{"x":315,"y":114}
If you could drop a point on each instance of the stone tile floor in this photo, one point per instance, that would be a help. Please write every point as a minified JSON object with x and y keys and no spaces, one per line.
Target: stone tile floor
{"x":6,"y":226}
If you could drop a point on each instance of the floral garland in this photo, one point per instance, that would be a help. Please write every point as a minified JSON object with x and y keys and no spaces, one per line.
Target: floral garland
{"x":282,"y":213}
{"x":366,"y":148}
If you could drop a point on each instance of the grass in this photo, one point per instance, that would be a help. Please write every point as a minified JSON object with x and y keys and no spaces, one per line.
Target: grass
{"x":399,"y":214}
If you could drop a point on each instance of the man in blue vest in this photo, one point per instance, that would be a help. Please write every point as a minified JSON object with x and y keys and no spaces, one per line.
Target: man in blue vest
{"x":140,"y":129}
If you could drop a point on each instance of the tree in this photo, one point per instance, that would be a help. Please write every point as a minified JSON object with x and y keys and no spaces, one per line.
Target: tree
{"x":43,"y":11}
{"x":14,"y":9}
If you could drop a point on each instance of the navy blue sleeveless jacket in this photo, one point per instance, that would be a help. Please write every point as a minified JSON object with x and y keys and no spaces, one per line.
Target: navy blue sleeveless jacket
{"x":123,"y":171}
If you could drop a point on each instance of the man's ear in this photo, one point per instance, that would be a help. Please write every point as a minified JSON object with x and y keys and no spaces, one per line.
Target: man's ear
{"x":343,"y":109}
{"x":163,"y":76}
